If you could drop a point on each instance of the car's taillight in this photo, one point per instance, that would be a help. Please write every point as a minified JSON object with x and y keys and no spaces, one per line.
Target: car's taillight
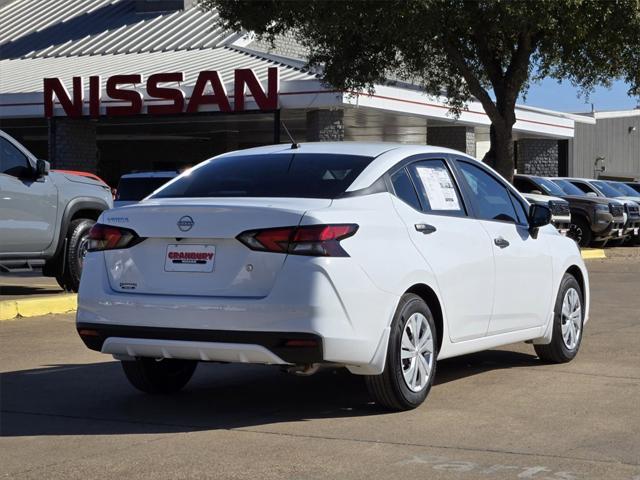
{"x":108,"y":237}
{"x":313,"y":240}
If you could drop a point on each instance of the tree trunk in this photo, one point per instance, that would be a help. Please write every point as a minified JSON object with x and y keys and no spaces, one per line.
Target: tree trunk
{"x":500,"y":155}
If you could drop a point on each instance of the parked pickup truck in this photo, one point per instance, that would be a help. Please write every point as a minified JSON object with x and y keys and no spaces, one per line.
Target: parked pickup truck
{"x":601,"y":189}
{"x":45,"y":216}
{"x":592,"y":219}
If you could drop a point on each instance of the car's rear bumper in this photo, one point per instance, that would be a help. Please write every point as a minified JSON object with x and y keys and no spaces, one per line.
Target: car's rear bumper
{"x":332,"y":302}
{"x":205,"y":345}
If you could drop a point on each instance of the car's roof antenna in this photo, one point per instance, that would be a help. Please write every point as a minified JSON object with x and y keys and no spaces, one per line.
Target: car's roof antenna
{"x":294,"y":145}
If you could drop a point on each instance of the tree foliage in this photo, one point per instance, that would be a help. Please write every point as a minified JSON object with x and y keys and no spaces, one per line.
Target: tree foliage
{"x":488,"y":49}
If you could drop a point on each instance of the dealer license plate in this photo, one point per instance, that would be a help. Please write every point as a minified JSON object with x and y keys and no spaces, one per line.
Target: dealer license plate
{"x":189,"y":258}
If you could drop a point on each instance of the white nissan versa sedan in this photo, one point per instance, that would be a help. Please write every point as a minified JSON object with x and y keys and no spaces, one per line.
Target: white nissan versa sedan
{"x":381,"y":258}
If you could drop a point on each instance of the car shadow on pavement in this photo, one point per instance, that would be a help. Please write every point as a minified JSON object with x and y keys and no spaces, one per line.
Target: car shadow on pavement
{"x":96,"y":399}
{"x":22,"y":291}
{"x":477,"y":363}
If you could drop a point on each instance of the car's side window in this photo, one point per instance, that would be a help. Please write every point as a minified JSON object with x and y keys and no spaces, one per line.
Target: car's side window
{"x":491,"y":199}
{"x":437,"y":188}
{"x":584,"y":187}
{"x":12,"y":161}
{"x":404,"y":188}
{"x":525,"y":185}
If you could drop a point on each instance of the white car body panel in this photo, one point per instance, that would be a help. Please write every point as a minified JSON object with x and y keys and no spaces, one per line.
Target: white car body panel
{"x":488,"y":297}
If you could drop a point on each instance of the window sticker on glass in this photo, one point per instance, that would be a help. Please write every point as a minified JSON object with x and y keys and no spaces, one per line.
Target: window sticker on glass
{"x":439,"y":187}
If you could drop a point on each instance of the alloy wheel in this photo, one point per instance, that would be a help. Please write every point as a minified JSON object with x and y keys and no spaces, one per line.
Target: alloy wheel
{"x":575,"y":232}
{"x":417,"y":352}
{"x":571,"y":318}
{"x":83,"y":248}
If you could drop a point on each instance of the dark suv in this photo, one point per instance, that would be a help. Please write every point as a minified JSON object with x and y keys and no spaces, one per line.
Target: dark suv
{"x":592,"y":219}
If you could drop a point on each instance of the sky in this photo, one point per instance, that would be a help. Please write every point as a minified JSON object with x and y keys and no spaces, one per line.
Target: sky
{"x":564,"y":97}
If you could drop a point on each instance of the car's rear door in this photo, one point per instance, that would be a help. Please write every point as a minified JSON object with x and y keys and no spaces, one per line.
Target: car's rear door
{"x":523,"y":265}
{"x":453,"y":244}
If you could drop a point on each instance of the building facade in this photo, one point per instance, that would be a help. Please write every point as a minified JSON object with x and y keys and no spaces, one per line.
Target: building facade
{"x":114,"y":86}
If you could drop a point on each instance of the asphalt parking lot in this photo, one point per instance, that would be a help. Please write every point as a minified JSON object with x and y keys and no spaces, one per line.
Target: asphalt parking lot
{"x":67,"y":412}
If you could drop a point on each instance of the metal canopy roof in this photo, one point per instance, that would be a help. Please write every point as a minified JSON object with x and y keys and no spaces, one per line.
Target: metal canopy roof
{"x":64,"y":28}
{"x":25,"y":75}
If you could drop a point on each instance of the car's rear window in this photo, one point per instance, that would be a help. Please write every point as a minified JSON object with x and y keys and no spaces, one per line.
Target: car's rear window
{"x":302,"y":175}
{"x":134,"y":189}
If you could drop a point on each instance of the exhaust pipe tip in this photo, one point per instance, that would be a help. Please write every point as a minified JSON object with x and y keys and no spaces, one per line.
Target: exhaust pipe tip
{"x":304,"y":370}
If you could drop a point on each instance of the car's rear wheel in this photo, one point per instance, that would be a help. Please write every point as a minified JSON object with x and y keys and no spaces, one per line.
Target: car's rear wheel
{"x":411,"y":357}
{"x":567,"y":324}
{"x":76,"y":249}
{"x":151,"y":375}
{"x":580,"y":231}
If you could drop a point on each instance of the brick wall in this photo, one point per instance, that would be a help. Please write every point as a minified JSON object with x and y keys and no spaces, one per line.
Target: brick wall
{"x":325,"y":125}
{"x":284,"y":45}
{"x":537,"y":156}
{"x":458,"y":138}
{"x":72,"y":144}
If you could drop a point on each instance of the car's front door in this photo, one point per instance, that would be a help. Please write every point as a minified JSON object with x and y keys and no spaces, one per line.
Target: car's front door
{"x":523,"y":294}
{"x":453,"y":244}
{"x":27,"y":205}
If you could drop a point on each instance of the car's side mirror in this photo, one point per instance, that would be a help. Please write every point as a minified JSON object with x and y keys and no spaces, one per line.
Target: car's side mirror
{"x":536,"y":192}
{"x":592,"y":194}
{"x":42,"y":168}
{"x":539,"y":216}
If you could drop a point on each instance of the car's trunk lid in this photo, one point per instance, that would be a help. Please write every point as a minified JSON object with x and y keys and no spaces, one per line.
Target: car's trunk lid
{"x":190,"y":245}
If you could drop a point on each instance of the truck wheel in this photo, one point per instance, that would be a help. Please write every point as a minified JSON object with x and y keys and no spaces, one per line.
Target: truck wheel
{"x":159,"y":376}
{"x":411,"y":358}
{"x":77,"y":243}
{"x":580,"y":231}
{"x":567,"y":324}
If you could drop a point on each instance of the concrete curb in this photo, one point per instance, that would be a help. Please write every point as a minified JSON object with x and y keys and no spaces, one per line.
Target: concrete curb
{"x":592,"y":253}
{"x":34,"y":307}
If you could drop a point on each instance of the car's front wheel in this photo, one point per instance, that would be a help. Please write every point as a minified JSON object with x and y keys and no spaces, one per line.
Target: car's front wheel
{"x":152,"y":375}
{"x":580,"y":231}
{"x":411,"y":357}
{"x":567,"y":323}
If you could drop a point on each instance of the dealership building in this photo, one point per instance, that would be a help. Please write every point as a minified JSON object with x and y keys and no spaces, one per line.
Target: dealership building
{"x":114,"y":86}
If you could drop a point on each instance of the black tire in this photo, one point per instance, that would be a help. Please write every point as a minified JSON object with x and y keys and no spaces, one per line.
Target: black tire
{"x":580,"y":231}
{"x":77,"y":235}
{"x":558,"y":351}
{"x":389,"y":389}
{"x":159,"y":376}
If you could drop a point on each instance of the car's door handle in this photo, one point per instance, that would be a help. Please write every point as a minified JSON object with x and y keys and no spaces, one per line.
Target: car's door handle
{"x":425,"y":228}
{"x":501,"y":242}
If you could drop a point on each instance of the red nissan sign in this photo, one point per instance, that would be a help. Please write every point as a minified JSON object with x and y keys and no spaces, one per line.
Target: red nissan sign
{"x":132,"y":102}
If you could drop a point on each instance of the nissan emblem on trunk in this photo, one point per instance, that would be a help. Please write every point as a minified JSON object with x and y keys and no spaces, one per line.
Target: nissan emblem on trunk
{"x":185,"y":223}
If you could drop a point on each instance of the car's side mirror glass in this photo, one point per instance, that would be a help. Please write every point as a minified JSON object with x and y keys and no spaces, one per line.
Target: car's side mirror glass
{"x":539,"y":216}
{"x":42,"y":168}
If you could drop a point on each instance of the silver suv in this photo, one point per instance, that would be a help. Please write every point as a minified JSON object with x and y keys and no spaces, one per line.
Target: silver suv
{"x":45,"y":217}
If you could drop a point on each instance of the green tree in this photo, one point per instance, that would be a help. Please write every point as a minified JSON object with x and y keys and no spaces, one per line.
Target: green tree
{"x":488,"y":49}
